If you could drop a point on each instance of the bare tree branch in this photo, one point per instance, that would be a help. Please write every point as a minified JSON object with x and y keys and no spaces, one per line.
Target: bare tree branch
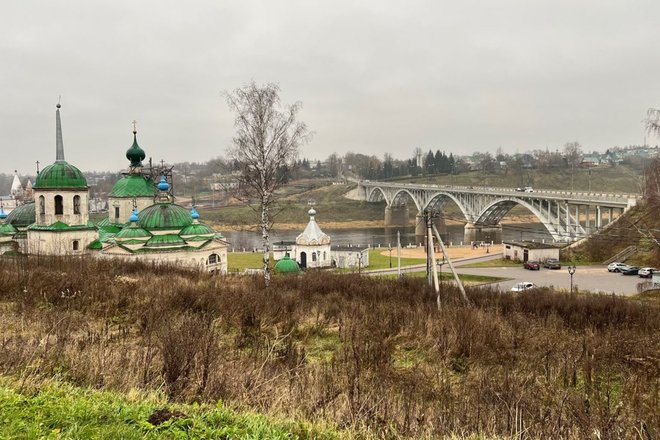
{"x":267,"y":140}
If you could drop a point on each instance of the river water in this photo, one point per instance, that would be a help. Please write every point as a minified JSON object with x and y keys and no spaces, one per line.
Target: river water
{"x":248,"y":240}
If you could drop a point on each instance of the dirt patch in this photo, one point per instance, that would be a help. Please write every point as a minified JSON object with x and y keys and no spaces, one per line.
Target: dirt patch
{"x":162,"y":415}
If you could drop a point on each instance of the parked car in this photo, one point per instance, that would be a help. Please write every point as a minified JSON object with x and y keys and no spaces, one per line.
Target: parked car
{"x":616,"y":267}
{"x":525,"y":285}
{"x":529,"y":189}
{"x":630,"y":270}
{"x":552,"y":263}
{"x":531,"y":265}
{"x":647,"y":272}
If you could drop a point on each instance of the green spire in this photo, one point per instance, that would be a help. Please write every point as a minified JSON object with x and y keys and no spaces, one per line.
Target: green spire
{"x":59,"y":145}
{"x":135,"y":154}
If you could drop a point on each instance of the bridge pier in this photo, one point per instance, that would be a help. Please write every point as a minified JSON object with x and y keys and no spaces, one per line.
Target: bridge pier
{"x":420,"y":226}
{"x":488,"y":233}
{"x":396,"y":215}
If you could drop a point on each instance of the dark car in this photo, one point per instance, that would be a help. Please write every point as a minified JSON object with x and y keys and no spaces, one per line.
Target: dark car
{"x":531,"y":265}
{"x":631,"y":270}
{"x":552,"y":263}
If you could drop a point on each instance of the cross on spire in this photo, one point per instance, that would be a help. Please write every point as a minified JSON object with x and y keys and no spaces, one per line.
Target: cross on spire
{"x":37,"y":162}
{"x":162,"y":163}
{"x":134,"y":126}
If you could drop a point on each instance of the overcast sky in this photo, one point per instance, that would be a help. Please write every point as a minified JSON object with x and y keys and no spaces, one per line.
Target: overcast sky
{"x":373,"y":76}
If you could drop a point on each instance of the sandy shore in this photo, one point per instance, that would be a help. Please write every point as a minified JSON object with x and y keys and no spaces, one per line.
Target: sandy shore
{"x":454,"y":252}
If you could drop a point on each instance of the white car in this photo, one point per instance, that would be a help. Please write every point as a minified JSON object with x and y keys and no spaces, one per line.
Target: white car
{"x":616,"y":267}
{"x":525,"y":285}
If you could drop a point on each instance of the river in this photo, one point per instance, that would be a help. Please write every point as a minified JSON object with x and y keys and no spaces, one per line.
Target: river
{"x":248,"y":240}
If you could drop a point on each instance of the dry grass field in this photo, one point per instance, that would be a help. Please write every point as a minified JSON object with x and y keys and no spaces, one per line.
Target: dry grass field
{"x":373,"y":357}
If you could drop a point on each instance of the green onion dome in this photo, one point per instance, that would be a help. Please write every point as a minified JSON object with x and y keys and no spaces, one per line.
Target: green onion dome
{"x":197,"y":229}
{"x":132,"y":233}
{"x":133,"y":186}
{"x":287,"y":265}
{"x":7,"y":229}
{"x":22,"y":216}
{"x":164,"y":216}
{"x":60,"y":175}
{"x":135,"y":154}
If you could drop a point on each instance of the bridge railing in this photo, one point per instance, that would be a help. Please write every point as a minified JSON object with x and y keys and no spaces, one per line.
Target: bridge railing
{"x":574,"y":195}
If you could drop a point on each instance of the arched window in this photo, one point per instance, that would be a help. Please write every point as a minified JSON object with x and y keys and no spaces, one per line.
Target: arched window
{"x":59,"y":205}
{"x":213,"y":259}
{"x":76,"y":245}
{"x":76,"y":204}
{"x":313,"y":256}
{"x":42,"y":205}
{"x":324,"y":256}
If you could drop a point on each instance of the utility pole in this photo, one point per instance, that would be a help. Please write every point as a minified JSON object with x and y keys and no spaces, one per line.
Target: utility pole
{"x":430,"y":257}
{"x":451,"y":266}
{"x":398,"y":254}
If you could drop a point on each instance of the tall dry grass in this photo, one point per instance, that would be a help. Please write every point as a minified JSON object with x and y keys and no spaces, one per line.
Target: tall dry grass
{"x":357,"y":352}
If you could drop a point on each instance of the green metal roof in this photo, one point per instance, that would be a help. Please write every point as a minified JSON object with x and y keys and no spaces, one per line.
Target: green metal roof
{"x":132,"y":232}
{"x":287,"y":265}
{"x":96,"y":245}
{"x":60,"y":226}
{"x":60,"y":175}
{"x":133,"y":186}
{"x":164,"y":216}
{"x":7,"y":229}
{"x":197,"y":229}
{"x":23,"y":216}
{"x":165,"y":240}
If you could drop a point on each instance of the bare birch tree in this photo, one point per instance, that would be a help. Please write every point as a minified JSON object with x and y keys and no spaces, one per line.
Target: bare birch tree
{"x":267,"y":139}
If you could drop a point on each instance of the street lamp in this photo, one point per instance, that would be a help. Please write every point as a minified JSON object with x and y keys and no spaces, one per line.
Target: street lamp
{"x":389,"y":248}
{"x":571,"y":271}
{"x":359,"y":262}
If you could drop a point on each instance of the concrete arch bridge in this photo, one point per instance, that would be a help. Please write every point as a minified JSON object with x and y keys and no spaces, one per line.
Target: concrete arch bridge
{"x":568,"y":216}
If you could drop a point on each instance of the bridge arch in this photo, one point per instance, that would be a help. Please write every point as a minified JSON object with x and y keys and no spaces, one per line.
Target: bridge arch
{"x":376,"y":194}
{"x":441,"y":198}
{"x":399,"y":194}
{"x":495,"y":211}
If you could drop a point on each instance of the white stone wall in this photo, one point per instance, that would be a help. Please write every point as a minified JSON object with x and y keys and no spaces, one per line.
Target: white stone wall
{"x":349,"y":259}
{"x":516,"y":253}
{"x":48,"y":216}
{"x":197,"y":259}
{"x":125,"y":206}
{"x":323,"y":255}
{"x":60,"y":242}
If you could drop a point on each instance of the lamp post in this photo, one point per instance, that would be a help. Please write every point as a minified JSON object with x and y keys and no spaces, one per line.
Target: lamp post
{"x":571,"y":271}
{"x":359,"y":262}
{"x":389,"y":248}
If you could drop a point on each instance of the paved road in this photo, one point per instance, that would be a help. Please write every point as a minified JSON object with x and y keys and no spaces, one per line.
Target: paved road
{"x":586,"y":278}
{"x":590,"y":278}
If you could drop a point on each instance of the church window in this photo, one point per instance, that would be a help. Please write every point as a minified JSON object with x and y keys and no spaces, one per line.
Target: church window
{"x":324,"y":256}
{"x":313,"y":256}
{"x":116,"y":212}
{"x":214,"y":259}
{"x":59,"y":205}
{"x":76,"y":245}
{"x":42,"y":205}
{"x":76,"y":204}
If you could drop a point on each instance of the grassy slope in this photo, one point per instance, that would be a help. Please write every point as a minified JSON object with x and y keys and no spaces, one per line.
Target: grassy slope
{"x":60,"y":410}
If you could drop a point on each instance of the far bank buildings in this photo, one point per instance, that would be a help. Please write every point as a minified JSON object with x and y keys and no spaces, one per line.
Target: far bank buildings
{"x":143,"y":223}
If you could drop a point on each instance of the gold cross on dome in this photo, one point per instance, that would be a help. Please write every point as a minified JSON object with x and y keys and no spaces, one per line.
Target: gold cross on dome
{"x":134,"y":126}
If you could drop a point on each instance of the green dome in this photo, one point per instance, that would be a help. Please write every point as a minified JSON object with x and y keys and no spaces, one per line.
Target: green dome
{"x":287,"y":265}
{"x":60,"y":175}
{"x":7,"y":229}
{"x":133,"y":186}
{"x":164,"y":216}
{"x":197,"y":229}
{"x":132,"y":233}
{"x":23,"y":216}
{"x":135,"y":154}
